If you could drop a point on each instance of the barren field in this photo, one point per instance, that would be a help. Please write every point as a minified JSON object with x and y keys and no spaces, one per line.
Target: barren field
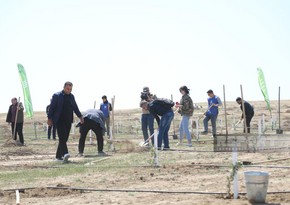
{"x":184,"y":175}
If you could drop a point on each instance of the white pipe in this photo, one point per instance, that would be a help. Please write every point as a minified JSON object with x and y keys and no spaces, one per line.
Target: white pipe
{"x":236,"y":183}
{"x":196,"y":130}
{"x":17,"y":197}
{"x":156,"y":162}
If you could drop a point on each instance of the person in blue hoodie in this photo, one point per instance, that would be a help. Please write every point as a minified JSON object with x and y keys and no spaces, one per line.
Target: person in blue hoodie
{"x":106,"y":107}
{"x":62,"y":107}
{"x":212,"y":112}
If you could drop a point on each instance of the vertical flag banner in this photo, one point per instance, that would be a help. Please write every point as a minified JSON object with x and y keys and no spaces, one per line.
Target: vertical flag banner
{"x":263,"y":88}
{"x":26,"y":92}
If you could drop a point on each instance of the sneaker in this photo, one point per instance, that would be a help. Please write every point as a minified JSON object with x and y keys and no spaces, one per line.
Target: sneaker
{"x":58,"y":160}
{"x":189,"y":145}
{"x":101,"y":153}
{"x":204,"y":133}
{"x":65,"y":157}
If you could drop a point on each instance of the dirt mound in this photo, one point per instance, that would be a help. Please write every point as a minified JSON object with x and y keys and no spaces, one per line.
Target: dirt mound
{"x":10,"y":143}
{"x":40,"y":192}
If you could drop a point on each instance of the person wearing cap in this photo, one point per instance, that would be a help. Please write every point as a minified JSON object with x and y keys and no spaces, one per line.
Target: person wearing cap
{"x":106,"y":107}
{"x":185,"y":109}
{"x":147,"y":119}
{"x":212,"y":112}
{"x":249,"y":112}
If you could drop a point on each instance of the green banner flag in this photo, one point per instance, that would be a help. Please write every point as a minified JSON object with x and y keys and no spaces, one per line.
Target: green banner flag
{"x":26,"y":92}
{"x":263,"y":88}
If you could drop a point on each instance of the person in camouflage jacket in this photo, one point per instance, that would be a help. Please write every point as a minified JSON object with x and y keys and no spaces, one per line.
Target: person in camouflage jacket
{"x":185,"y":108}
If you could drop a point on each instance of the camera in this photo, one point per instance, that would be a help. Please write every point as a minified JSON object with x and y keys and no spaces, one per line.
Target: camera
{"x":145,"y":95}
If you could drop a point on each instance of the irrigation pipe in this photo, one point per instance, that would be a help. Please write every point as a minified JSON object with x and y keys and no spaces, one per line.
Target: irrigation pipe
{"x":88,"y":165}
{"x":245,"y":166}
{"x":274,"y":160}
{"x":138,"y":190}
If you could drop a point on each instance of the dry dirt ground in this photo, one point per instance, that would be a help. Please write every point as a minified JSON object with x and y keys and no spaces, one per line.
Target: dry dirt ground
{"x":185,"y":175}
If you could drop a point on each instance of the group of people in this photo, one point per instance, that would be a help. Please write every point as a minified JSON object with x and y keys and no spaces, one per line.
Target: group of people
{"x":63,"y":105}
{"x":60,"y":114}
{"x":161,"y":110}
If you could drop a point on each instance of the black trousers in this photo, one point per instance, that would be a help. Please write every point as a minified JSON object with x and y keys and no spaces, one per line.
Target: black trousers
{"x":248,"y":122}
{"x":63,"y":130}
{"x":85,"y":128}
{"x":53,"y":128}
{"x":19,"y":131}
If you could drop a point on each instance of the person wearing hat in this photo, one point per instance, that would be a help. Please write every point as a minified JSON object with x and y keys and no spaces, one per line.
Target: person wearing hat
{"x":212,"y":112}
{"x":249,"y":112}
{"x":147,"y":119}
{"x":106,"y":107}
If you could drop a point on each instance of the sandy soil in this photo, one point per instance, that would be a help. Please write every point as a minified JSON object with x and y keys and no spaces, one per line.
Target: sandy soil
{"x":186,"y":175}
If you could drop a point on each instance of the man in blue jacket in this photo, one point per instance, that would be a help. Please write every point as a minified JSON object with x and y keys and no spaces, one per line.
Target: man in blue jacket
{"x":62,"y":107}
{"x":106,"y":107}
{"x":212,"y":112}
{"x":93,"y":120}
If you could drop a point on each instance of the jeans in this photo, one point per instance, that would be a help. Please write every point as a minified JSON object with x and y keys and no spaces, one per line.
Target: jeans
{"x":183,"y":128}
{"x":147,"y":121}
{"x":107,"y":122}
{"x":164,"y":126}
{"x":213,"y":119}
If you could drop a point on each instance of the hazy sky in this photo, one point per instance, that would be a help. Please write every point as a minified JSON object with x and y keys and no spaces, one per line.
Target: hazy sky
{"x":116,"y":47}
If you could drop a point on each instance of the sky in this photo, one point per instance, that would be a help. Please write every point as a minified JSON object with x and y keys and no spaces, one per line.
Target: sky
{"x":116,"y":47}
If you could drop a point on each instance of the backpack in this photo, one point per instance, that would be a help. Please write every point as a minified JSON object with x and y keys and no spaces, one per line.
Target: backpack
{"x":164,"y":101}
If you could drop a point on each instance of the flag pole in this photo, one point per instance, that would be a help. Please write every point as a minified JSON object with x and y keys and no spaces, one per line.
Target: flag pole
{"x":244,"y":112}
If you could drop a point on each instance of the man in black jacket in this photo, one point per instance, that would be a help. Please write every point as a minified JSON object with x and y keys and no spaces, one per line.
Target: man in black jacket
{"x":16,"y":118}
{"x":62,"y":107}
{"x":249,"y":112}
{"x":161,"y":109}
{"x":52,"y":127}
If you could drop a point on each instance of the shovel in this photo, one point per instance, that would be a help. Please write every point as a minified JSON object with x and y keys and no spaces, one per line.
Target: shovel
{"x":142,"y":144}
